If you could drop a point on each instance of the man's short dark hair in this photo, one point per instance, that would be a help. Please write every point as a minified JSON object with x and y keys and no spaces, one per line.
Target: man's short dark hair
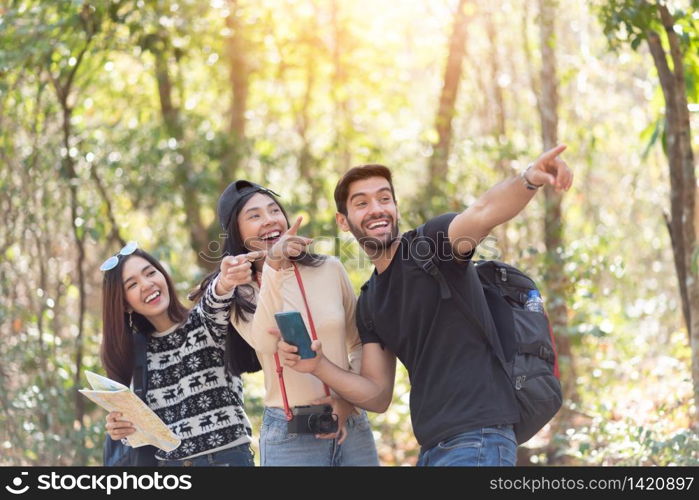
{"x":359,"y":173}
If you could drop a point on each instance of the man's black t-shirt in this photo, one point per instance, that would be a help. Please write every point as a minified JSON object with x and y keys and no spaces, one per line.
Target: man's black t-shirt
{"x":456,"y":383}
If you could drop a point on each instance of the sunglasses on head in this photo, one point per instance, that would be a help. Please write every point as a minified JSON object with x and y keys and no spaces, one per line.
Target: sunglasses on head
{"x":112,"y":261}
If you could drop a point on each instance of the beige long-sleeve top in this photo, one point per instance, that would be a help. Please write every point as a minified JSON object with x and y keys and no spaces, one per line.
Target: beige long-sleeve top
{"x":332,"y":302}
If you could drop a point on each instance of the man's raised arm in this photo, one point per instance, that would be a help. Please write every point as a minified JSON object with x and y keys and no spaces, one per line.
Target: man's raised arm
{"x":506,"y":199}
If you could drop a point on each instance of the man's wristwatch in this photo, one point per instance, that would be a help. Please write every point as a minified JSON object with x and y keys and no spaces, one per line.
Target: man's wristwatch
{"x":525,"y":181}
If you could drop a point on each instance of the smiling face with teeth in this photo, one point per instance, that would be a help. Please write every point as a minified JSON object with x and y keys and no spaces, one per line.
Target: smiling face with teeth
{"x":261,"y":222}
{"x":146,"y":291}
{"x":372,"y":214}
{"x":121,"y":302}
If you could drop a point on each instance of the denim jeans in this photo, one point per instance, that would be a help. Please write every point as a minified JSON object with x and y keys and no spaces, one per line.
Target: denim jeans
{"x":489,"y":446}
{"x":279,"y":448}
{"x":238,"y":456}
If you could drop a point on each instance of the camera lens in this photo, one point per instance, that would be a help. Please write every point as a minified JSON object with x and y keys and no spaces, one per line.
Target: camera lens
{"x":323,"y":423}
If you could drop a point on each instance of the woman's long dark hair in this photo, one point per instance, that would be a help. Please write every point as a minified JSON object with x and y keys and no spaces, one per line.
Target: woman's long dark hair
{"x":117,"y":338}
{"x":240,"y":357}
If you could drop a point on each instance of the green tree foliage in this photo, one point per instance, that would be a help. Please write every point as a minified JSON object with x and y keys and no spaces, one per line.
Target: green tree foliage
{"x":116,"y":124}
{"x":671,"y":36}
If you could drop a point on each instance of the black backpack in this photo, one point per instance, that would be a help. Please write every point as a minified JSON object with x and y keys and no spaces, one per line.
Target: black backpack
{"x":523,"y":341}
{"x":115,"y":453}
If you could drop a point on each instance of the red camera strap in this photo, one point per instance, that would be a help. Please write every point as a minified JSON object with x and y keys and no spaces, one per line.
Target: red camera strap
{"x":310,"y":317}
{"x":314,"y":336}
{"x":280,"y":374}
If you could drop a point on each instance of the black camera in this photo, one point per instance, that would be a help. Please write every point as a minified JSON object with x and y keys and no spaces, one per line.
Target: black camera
{"x":316,"y":419}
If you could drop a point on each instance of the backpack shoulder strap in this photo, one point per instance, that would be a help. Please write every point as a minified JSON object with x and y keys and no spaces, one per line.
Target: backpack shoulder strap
{"x":140,"y":368}
{"x":427,"y":260}
{"x":467,"y":310}
{"x":365,"y":309}
{"x":424,"y":256}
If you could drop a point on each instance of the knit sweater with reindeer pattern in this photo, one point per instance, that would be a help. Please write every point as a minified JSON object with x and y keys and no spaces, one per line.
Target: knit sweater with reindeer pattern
{"x":188,"y":385}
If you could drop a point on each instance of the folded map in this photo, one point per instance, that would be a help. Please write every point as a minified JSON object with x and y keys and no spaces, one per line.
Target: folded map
{"x":113,"y":396}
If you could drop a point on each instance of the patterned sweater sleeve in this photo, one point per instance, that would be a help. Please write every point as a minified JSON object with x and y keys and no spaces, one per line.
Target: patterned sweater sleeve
{"x":215,"y":310}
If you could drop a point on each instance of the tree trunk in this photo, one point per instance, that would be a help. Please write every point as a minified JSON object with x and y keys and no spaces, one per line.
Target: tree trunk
{"x":339,"y":92}
{"x":341,"y":108}
{"x":499,"y":130}
{"x":447,"y":100}
{"x":68,"y":171}
{"x":239,"y":75}
{"x":498,"y":99}
{"x":557,"y":283}
{"x":63,"y":88}
{"x":681,"y":222}
{"x":306,"y":161}
{"x":199,"y":236}
{"x":114,"y":233}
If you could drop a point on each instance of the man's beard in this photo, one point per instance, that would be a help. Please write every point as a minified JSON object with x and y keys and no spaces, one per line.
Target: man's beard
{"x":372,"y":245}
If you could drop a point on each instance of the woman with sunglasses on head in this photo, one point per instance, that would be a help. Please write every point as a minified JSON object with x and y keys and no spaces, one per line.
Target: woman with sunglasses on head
{"x":193,"y":378}
{"x":254,"y":221}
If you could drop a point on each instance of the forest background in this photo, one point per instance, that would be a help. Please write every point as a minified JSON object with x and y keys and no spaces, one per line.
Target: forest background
{"x":124,"y":120}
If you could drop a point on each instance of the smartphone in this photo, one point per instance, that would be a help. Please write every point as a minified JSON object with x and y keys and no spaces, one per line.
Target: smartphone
{"x":294,"y":332}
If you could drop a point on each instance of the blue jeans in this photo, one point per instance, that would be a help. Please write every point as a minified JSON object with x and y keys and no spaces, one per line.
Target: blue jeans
{"x":279,"y":448}
{"x":238,"y":456}
{"x":489,"y":446}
